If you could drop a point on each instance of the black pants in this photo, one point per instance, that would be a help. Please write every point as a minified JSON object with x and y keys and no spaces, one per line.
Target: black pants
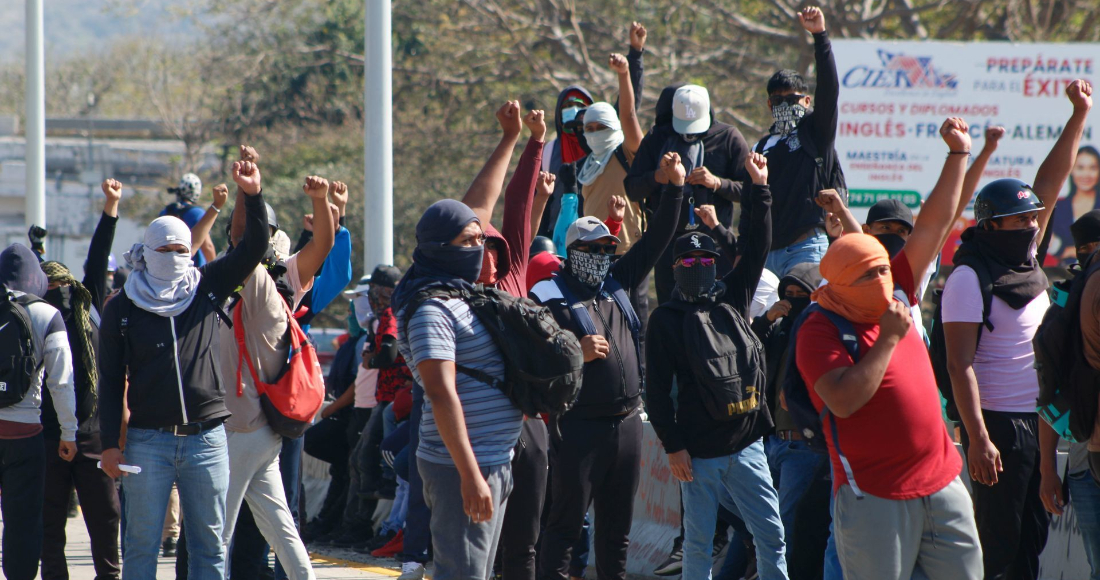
{"x":1012,"y":524}
{"x":98,"y":502}
{"x":597,"y":461}
{"x":22,"y":484}
{"x":521,"y":518}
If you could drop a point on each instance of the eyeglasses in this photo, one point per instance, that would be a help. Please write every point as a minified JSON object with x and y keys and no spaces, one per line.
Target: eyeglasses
{"x":608,"y":249}
{"x":790,"y":99}
{"x":689,"y":262}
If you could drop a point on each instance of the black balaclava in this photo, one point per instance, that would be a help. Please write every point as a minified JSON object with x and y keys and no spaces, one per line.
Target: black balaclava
{"x":696,"y":282}
{"x":892,"y":242}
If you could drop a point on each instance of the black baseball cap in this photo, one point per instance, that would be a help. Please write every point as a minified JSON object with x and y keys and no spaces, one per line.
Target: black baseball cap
{"x":1086,"y":229}
{"x":890,"y":210}
{"x":386,"y":276}
{"x":694,"y":242}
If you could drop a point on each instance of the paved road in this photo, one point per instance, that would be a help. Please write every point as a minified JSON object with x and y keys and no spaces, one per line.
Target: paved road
{"x":332,"y":567}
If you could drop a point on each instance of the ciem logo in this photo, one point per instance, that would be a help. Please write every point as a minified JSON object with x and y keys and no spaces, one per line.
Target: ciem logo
{"x":900,"y":71}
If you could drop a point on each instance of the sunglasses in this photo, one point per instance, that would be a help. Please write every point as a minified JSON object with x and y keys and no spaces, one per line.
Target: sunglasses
{"x":790,"y":99}
{"x":608,"y":249}
{"x":689,"y":262}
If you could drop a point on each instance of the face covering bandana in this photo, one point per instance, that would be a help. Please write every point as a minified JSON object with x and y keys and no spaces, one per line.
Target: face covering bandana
{"x":695,"y":282}
{"x":163,"y":283}
{"x":488,"y":275}
{"x":847,"y":260}
{"x":589,"y":269}
{"x":363,"y":310}
{"x":786,"y":118}
{"x":892,"y":242}
{"x":1013,"y":246}
{"x":798,"y":304}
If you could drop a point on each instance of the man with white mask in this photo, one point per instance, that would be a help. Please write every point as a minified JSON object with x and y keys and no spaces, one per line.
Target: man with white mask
{"x":162,"y":331}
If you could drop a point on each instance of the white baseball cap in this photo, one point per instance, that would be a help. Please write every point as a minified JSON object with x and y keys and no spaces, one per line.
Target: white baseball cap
{"x":691,"y":110}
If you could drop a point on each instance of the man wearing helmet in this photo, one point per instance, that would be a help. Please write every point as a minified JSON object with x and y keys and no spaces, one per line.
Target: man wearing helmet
{"x":990,"y":356}
{"x":187,"y":193}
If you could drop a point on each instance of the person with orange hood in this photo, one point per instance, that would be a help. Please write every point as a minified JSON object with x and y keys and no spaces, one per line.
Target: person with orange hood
{"x":885,"y":406}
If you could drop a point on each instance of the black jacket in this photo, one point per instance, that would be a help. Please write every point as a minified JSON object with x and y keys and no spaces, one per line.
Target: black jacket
{"x":163,"y":393}
{"x":95,"y":280}
{"x":724,"y":153}
{"x":793,"y":173}
{"x":686,"y":424}
{"x":613,"y":385}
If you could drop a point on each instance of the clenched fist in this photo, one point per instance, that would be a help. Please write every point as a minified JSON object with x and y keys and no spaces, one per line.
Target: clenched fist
{"x":757,"y":166}
{"x":112,"y":188}
{"x":339,"y":192}
{"x":536,"y":122}
{"x":673,"y":169}
{"x":248,"y":153}
{"x":247,"y":177}
{"x":509,"y":118}
{"x":221,"y":195}
{"x":316,"y":187}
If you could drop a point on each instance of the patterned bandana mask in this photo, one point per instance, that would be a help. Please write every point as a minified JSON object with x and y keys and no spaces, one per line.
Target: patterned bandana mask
{"x":786,"y":117}
{"x":589,"y":269}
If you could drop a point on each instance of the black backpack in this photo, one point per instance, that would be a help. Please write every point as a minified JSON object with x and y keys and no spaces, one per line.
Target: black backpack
{"x":1066,"y":379}
{"x":543,"y":364}
{"x":178,"y":208}
{"x":726,"y":358}
{"x":796,"y":393}
{"x":937,"y":343}
{"x":17,"y":363}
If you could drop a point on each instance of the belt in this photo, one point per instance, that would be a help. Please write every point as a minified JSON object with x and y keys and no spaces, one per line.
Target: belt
{"x":191,"y":428}
{"x":789,"y":435}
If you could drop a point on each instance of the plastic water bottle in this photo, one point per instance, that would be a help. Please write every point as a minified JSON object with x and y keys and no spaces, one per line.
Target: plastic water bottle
{"x":566,"y":217}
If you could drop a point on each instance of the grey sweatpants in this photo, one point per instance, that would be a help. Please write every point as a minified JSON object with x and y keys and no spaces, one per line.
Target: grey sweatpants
{"x":463,"y":550}
{"x":930,"y":537}
{"x":254,"y":477}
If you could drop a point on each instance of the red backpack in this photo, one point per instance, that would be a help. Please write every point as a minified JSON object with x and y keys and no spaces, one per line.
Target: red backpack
{"x":291,"y":402}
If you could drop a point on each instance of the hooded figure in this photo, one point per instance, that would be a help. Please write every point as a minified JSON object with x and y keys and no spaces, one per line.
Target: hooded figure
{"x":163,"y":283}
{"x":723,"y":155}
{"x":19,"y":270}
{"x":436,"y":262}
{"x":564,"y":150}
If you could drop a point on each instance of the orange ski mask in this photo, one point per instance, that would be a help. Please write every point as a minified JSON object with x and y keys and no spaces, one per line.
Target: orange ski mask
{"x":847,"y":260}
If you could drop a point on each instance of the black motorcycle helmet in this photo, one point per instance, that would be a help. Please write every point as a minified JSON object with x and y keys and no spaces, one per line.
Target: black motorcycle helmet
{"x":272,"y":219}
{"x":1003,"y":198}
{"x":541,"y":244}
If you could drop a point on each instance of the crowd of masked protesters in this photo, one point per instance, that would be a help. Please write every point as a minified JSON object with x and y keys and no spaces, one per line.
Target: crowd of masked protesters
{"x":811,"y":413}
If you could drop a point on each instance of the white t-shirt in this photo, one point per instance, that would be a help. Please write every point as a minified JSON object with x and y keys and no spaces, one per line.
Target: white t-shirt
{"x":295,"y":280}
{"x":366,"y":380}
{"x":1005,"y":361}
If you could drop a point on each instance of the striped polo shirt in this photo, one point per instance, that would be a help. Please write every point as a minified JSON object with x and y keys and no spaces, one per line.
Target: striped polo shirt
{"x":446,"y":329}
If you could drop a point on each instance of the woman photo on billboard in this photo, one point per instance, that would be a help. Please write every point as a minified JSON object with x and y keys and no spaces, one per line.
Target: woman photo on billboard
{"x":1080,"y":200}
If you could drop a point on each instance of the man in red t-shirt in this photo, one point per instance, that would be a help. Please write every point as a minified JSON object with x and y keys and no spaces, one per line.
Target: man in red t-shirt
{"x":902,"y":471}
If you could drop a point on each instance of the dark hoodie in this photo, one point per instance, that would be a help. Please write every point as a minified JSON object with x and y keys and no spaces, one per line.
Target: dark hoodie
{"x":685,"y":423}
{"x":567,"y":179}
{"x":777,"y":338}
{"x":724,"y":153}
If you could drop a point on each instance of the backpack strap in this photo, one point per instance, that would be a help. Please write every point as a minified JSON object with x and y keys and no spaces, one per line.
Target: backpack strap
{"x":124,"y":307}
{"x":292,"y":328}
{"x":611,"y":287}
{"x":621,"y":156}
{"x":851,"y":343}
{"x":218,"y":310}
{"x":26,"y":336}
{"x":580,"y":313}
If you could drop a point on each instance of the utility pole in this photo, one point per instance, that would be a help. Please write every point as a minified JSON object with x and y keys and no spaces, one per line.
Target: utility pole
{"x":35,"y":207}
{"x":378,"y":136}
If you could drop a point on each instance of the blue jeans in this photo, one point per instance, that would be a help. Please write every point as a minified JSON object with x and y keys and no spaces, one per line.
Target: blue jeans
{"x":199,"y":465}
{"x":812,"y":250}
{"x":1084,"y":494}
{"x":743,"y":483}
{"x":290,"y":465}
{"x":417,"y":517}
{"x":793,"y":466}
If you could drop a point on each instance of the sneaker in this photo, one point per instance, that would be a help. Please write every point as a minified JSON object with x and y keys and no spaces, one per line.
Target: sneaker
{"x":168,"y":548}
{"x":412,"y":571}
{"x":675,"y":562}
{"x":379,"y":541}
{"x":392,"y":548}
{"x":720,"y":543}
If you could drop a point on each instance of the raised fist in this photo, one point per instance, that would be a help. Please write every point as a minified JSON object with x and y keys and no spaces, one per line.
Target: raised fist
{"x":673,"y":170}
{"x":956,"y":133}
{"x":757,"y":166}
{"x":812,"y":19}
{"x":247,"y":177}
{"x":112,"y":188}
{"x":707,"y":215}
{"x":248,"y":153}
{"x":339,"y":192}
{"x":616,"y":208}
{"x":221,"y":194}
{"x":829,"y":200}
{"x":316,"y":187}
{"x":993,"y":136}
{"x":544,"y":186}
{"x":617,"y":63}
{"x":536,"y":122}
{"x":1080,"y":94}
{"x":637,"y":36}
{"x":509,"y":118}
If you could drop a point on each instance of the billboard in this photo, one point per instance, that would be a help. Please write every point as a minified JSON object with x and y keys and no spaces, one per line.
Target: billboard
{"x":894,"y":95}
